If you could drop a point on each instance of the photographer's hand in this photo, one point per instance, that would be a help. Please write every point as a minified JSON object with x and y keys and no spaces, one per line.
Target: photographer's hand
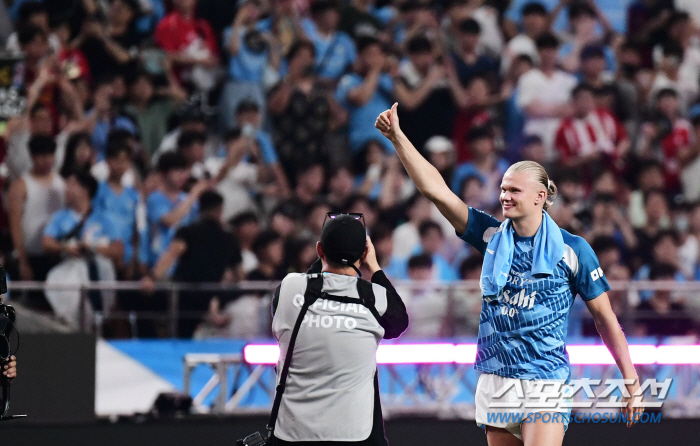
{"x":371,"y":258}
{"x":10,"y":369}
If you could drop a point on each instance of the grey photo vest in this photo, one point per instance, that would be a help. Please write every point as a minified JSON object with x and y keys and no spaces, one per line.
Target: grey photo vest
{"x":330,"y":393}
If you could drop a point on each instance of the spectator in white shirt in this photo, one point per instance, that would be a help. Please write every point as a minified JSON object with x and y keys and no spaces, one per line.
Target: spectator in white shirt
{"x":681,"y":31}
{"x":535,"y":21}
{"x":669,"y":61}
{"x":406,"y":236}
{"x":543,"y":94}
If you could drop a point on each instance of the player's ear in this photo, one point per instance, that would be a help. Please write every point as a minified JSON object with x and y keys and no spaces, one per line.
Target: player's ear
{"x":541,"y":197}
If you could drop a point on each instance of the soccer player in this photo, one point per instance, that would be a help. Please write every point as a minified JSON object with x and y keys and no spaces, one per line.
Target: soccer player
{"x":531,"y":273}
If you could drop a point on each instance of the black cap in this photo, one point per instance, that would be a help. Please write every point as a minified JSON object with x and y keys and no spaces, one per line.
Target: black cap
{"x":343,"y":239}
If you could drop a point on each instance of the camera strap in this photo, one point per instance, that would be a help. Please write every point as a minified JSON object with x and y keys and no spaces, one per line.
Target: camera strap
{"x":313,"y":292}
{"x":77,"y":229}
{"x":314,"y":285}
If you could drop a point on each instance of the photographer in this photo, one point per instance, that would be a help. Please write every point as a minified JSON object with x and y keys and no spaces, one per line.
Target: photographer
{"x":8,"y":361}
{"x":334,"y":368}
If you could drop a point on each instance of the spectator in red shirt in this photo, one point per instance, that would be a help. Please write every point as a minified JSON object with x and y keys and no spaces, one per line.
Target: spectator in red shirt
{"x":73,"y":61}
{"x":34,"y":44}
{"x":590,"y":134}
{"x":666,"y":138}
{"x":190,"y":42}
{"x":477,"y":114}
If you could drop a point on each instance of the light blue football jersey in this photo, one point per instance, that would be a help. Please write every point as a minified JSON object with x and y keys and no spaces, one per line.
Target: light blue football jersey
{"x":522,"y":333}
{"x":121,"y":210}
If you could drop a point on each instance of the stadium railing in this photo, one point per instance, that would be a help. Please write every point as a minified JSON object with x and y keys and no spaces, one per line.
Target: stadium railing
{"x":464,"y":293}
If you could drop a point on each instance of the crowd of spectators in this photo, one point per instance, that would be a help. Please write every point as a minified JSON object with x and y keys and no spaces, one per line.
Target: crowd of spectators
{"x":205,"y":141}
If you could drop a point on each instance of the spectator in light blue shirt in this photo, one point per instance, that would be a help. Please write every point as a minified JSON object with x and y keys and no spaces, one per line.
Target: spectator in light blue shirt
{"x":249,"y":53}
{"x":432,"y":240}
{"x":121,"y":204}
{"x":106,"y":116}
{"x":170,"y":208}
{"x":79,"y":228}
{"x":366,"y":93}
{"x":249,"y":119}
{"x":335,"y":50}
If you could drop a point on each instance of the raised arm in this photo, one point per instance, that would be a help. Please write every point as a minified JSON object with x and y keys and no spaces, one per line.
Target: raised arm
{"x":179,"y":212}
{"x":425,"y":176}
{"x":361,"y":94}
{"x":175,"y":250}
{"x":15,"y":208}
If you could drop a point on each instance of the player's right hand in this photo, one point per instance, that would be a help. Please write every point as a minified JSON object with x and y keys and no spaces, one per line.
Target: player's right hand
{"x":388,"y":122}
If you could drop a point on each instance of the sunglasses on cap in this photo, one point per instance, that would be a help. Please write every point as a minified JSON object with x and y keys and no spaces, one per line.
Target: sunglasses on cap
{"x":355,"y":215}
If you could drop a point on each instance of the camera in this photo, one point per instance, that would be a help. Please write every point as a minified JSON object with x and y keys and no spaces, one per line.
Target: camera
{"x":255,"y":439}
{"x":248,"y":130}
{"x":7,"y":321}
{"x":255,"y":41}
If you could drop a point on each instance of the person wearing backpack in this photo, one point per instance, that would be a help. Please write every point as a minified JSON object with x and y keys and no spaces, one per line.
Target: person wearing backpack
{"x":329,"y":323}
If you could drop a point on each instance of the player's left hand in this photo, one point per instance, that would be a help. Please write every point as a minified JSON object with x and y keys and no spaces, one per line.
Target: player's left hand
{"x":634,"y":408}
{"x":10,"y":369}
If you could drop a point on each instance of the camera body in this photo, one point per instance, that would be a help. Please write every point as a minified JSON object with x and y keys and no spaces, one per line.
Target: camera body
{"x":254,"y":439}
{"x":7,"y":321}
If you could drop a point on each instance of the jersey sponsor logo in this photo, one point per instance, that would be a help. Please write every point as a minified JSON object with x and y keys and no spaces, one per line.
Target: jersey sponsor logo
{"x":597,"y":274}
{"x":515,"y":302}
{"x":517,"y":279}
